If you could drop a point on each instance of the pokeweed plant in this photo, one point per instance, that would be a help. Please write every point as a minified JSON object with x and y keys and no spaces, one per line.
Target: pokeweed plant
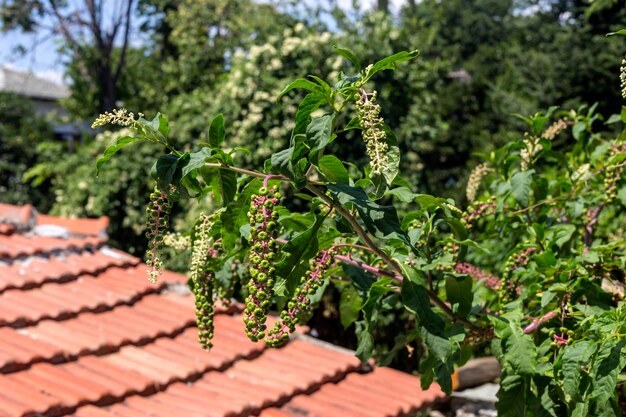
{"x":531,"y":270}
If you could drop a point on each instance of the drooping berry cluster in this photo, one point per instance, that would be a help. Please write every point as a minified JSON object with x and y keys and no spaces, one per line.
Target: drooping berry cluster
{"x":373,"y":133}
{"x":475,"y":178}
{"x":613,"y":173}
{"x":490,"y":280}
{"x":479,"y":210}
{"x":263,"y":231}
{"x":202,"y":278}
{"x":158,"y":211}
{"x":298,"y":308}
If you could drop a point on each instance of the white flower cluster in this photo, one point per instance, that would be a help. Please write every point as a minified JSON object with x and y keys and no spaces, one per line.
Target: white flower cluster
{"x":475,"y":178}
{"x":120,"y":117}
{"x":373,"y":133}
{"x":622,"y":78}
{"x":201,"y":248}
{"x":177,"y":241}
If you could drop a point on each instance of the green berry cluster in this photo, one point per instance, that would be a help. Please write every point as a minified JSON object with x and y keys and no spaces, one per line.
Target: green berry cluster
{"x":478,"y":210}
{"x":262,"y":254}
{"x":299,"y":308}
{"x":613,"y":173}
{"x":157,"y":223}
{"x":202,"y":278}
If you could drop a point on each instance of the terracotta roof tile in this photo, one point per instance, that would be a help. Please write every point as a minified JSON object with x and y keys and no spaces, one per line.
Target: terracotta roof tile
{"x":83,"y":333}
{"x":78,"y":227}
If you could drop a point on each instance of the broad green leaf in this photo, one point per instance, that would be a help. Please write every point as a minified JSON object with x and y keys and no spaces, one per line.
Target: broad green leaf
{"x":512,"y":396}
{"x":415,"y":299}
{"x":111,"y":150}
{"x":521,"y":352}
{"x":606,"y":366}
{"x":225,"y":186}
{"x":439,"y":346}
{"x":196,"y":160}
{"x":520,"y":186}
{"x":350,"y":304}
{"x":390,"y":62}
{"x":378,"y":289}
{"x":319,"y":132}
{"x":575,"y":356}
{"x":332,"y":168}
{"x":164,"y":126}
{"x":347,"y":54}
{"x":236,"y":214}
{"x":381,"y":221}
{"x":308,"y":105}
{"x":459,"y":292}
{"x":365,"y":341}
{"x":164,"y":169}
{"x":619,"y":32}
{"x":402,"y":194}
{"x":301,"y":83}
{"x":217,"y":132}
{"x":299,"y":250}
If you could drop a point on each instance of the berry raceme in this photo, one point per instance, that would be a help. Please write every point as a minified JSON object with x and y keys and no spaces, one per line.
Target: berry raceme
{"x":203,"y":279}
{"x":298,"y":308}
{"x":263,"y":231}
{"x":158,"y":211}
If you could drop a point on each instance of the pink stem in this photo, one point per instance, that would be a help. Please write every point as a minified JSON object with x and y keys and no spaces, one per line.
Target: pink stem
{"x":540,"y":321}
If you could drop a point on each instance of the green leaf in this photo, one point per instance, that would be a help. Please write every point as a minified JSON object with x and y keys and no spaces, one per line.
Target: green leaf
{"x":578,"y":129}
{"x":521,"y":352}
{"x":350,"y":304}
{"x":365,"y":341}
{"x":301,"y":83}
{"x":402,"y":194}
{"x":236,"y":214}
{"x":319,"y":132}
{"x":415,"y":299}
{"x":512,"y":396}
{"x":623,"y":114}
{"x":299,"y":250}
{"x":349,"y":56}
{"x":164,"y":169}
{"x":308,"y":105}
{"x":390,"y":62}
{"x":459,"y":292}
{"x":381,"y":221}
{"x":607,"y":364}
{"x":439,"y":346}
{"x":164,"y":126}
{"x":225,"y":185}
{"x":217,"y":132}
{"x":196,"y":160}
{"x":574,"y":356}
{"x":619,"y":32}
{"x":520,"y":186}
{"x":332,"y":168}
{"x":111,"y":150}
{"x":378,"y":289}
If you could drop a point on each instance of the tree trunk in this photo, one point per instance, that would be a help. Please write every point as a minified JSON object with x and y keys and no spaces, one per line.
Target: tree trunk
{"x":383,"y":5}
{"x":108,"y":98}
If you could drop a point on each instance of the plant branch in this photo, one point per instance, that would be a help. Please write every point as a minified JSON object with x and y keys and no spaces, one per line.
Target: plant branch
{"x":246,"y":171}
{"x":357,"y":228}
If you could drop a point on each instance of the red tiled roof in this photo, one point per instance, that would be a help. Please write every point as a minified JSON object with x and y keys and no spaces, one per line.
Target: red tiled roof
{"x":82,"y":333}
